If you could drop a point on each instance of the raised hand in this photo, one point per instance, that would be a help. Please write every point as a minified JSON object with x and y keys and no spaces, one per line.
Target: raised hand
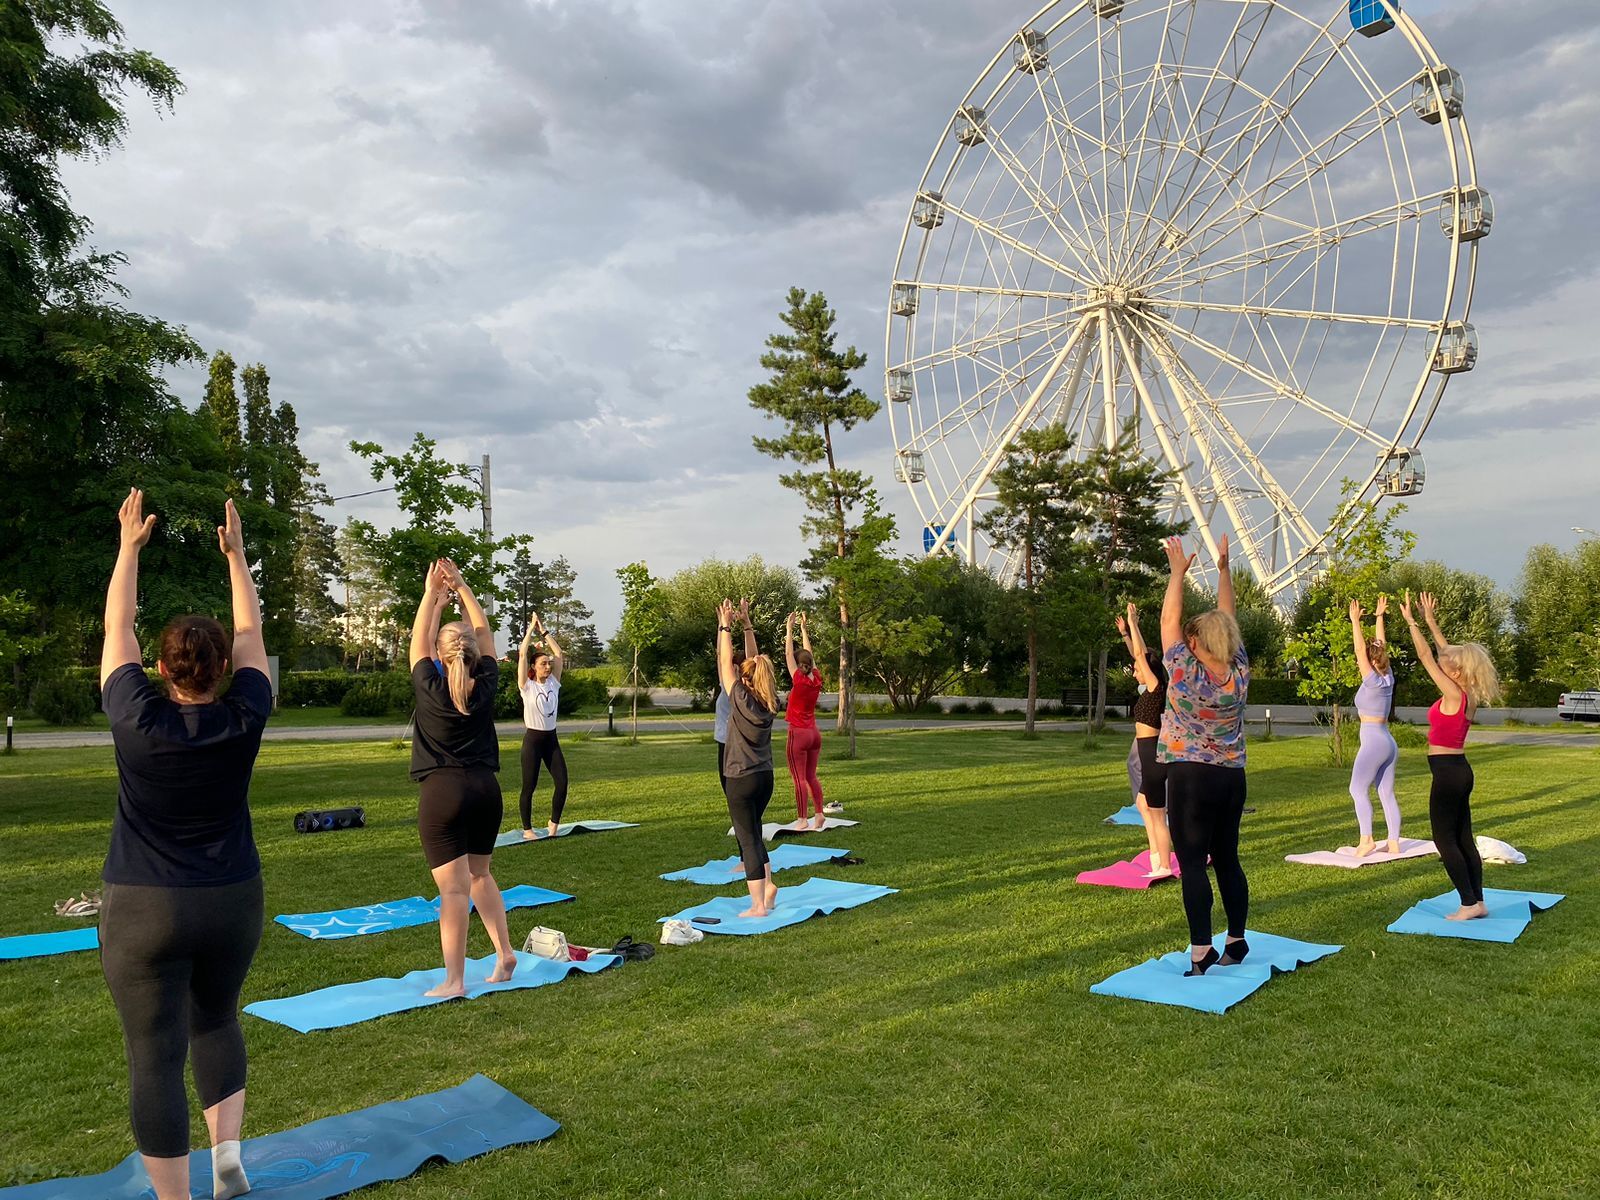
{"x":744,"y":610}
{"x":725,"y":615}
{"x":134,"y":525}
{"x":1429,"y":603}
{"x":1355,"y":611}
{"x":1122,"y":626}
{"x":230,"y":534}
{"x":1222,"y":554}
{"x":802,"y":617}
{"x":1383,"y":605}
{"x":438,"y":581}
{"x":1405,"y":608}
{"x":1176,"y":558}
{"x":452,"y":574}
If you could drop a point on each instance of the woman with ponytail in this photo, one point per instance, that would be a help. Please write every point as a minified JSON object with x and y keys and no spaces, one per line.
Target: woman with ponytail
{"x":752,"y":688}
{"x":181,"y":915}
{"x":455,"y":755}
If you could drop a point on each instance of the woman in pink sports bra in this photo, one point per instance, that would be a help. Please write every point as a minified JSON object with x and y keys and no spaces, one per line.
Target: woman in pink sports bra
{"x":1466,"y":678}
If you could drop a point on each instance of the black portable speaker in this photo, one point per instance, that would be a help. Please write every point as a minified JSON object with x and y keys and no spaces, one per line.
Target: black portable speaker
{"x":333,"y":818}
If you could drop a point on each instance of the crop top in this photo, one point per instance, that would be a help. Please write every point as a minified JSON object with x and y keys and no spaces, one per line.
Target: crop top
{"x":1448,"y":730}
{"x":1147,"y":709}
{"x":1374,"y":694}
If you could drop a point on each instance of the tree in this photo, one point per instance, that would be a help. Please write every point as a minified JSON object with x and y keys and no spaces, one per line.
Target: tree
{"x":221,"y":406}
{"x":1556,"y":611}
{"x":683,"y":652}
{"x":369,"y":628}
{"x":258,"y":432}
{"x":1364,"y":549}
{"x":1260,"y":623}
{"x":1123,"y":492}
{"x":1478,"y":611}
{"x":526,"y":592}
{"x":643,"y":618}
{"x":811,"y":391}
{"x":1037,"y":512}
{"x":426,"y":490}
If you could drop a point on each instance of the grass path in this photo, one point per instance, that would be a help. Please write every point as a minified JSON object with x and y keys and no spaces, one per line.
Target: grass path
{"x":941,"y":1042}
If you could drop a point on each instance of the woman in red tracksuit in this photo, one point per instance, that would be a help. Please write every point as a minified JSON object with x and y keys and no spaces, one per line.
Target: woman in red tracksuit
{"x":805,"y":742}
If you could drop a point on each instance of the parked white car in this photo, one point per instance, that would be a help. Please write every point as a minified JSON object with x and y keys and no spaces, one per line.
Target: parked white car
{"x":1579,"y":706}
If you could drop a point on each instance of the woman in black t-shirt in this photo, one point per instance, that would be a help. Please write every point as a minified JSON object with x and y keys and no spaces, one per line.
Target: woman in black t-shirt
{"x":182,"y":909}
{"x":1151,"y":801}
{"x":747,"y":761}
{"x":455,"y":756}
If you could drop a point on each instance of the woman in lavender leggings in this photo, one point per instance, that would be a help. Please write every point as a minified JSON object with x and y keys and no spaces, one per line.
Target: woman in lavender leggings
{"x":1378,"y":756}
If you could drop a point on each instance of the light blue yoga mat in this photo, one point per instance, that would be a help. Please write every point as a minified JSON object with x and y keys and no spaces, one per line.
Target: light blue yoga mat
{"x":337,"y":1155}
{"x":1509,"y":914}
{"x":814,"y":897}
{"x":352,"y":1003}
{"x":1128,"y":814}
{"x":513,"y":837}
{"x":37,"y":945}
{"x":1161,"y":980}
{"x":731,"y":870}
{"x":398,"y":914}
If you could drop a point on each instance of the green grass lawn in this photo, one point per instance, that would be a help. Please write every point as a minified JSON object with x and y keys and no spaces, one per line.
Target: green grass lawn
{"x":940,"y":1042}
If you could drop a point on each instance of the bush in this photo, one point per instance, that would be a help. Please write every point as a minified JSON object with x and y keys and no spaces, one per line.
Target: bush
{"x":64,"y":700}
{"x":378,"y":695}
{"x":1534,"y":693}
{"x":1274,"y":691}
{"x":582,"y":690}
{"x":624,"y":697}
{"x":958,"y":708}
{"x":984,"y":708}
{"x":315,"y":689}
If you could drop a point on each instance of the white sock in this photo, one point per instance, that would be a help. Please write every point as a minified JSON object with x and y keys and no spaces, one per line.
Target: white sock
{"x":227,"y":1172}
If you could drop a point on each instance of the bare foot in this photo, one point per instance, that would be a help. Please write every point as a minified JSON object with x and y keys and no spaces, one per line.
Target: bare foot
{"x":447,"y":990}
{"x":1469,"y":912}
{"x":529,"y":835}
{"x":504,"y":970}
{"x":772,"y":894}
{"x":1365,"y":847}
{"x":802,"y":823}
{"x":819,"y":822}
{"x":753,"y":911}
{"x":1394,"y":845}
{"x":554,"y":829}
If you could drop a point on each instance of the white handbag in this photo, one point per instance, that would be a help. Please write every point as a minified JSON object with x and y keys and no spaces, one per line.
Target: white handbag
{"x":547,"y":943}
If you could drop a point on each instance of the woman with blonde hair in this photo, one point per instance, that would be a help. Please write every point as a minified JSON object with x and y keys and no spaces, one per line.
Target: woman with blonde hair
{"x":1379,"y":754}
{"x":752,"y":689}
{"x":1202,"y":743}
{"x":1151,"y":798}
{"x":1466,"y":677}
{"x":455,"y":755}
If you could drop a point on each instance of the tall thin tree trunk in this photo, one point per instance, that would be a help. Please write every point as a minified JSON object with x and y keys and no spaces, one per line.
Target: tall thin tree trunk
{"x":1100,"y":693}
{"x":636,"y":695}
{"x":1033,"y":674}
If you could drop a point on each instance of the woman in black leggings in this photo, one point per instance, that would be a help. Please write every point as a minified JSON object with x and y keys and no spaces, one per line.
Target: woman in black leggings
{"x":1202,"y":743}
{"x":540,"y":689}
{"x":752,"y":689}
{"x":182,"y":910}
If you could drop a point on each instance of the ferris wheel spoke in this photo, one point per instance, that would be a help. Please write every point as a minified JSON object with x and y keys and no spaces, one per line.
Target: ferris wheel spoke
{"x":1281,"y":389}
{"x":997,"y":234}
{"x":1073,"y":167}
{"x":1048,"y":208}
{"x":1206,"y":115}
{"x":1172,"y":50}
{"x":1304,"y":314}
{"x":1001,"y":443}
{"x":1204,"y":411}
{"x":992,"y":339}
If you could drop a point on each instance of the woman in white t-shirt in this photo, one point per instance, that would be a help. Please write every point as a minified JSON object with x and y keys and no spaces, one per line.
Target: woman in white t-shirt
{"x":540,"y":688}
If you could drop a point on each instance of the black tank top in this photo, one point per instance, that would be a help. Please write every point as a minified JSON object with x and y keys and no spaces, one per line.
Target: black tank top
{"x":1147,"y":709}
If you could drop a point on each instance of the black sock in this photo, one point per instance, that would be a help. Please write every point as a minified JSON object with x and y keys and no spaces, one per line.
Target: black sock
{"x":1200,"y":967}
{"x":1233,"y":953}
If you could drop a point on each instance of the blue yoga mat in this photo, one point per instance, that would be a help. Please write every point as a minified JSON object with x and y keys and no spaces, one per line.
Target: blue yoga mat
{"x":1509,"y":914}
{"x":37,"y":945}
{"x":398,"y":914}
{"x":1161,"y":980}
{"x":1128,"y":814}
{"x":814,"y":897}
{"x":337,"y":1155}
{"x":352,"y":1003}
{"x":513,"y":837}
{"x":721,"y":870}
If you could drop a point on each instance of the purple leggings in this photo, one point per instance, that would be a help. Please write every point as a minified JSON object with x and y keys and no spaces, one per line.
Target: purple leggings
{"x":1375,"y":764}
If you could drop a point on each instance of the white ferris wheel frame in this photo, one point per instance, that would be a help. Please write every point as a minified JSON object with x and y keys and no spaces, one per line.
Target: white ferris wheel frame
{"x":1095,"y":321}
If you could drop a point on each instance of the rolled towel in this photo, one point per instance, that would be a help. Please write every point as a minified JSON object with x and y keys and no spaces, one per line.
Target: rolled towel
{"x":1495,"y":851}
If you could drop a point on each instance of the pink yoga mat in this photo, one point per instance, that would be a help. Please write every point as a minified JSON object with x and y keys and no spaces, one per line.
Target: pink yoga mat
{"x":1345,"y":856}
{"x":1128,"y":874}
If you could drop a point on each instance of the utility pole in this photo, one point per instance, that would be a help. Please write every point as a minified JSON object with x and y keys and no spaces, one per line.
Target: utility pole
{"x":488,"y":527}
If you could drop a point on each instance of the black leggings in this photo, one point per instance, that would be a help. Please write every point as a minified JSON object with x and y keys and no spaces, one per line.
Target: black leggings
{"x":722,"y":753}
{"x":1204,"y":804}
{"x":459,"y":813}
{"x":1450,"y":811}
{"x":1152,"y":774}
{"x":748,"y":795}
{"x":175,"y":959}
{"x":542,"y":746}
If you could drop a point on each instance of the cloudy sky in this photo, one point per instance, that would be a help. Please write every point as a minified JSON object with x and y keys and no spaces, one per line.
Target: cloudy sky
{"x":557,"y":231}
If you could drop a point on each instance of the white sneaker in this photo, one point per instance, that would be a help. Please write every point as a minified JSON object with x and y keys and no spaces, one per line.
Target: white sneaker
{"x":680,"y":933}
{"x":833,"y":806}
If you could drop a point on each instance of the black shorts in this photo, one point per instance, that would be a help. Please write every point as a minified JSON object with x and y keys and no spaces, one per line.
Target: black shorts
{"x":459,"y":813}
{"x":1152,"y":774}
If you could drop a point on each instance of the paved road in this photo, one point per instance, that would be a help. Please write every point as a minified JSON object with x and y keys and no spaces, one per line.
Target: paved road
{"x":703,"y":724}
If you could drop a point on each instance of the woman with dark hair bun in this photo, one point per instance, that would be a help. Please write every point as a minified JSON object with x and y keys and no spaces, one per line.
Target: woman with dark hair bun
{"x":804,"y":742}
{"x":181,"y":917}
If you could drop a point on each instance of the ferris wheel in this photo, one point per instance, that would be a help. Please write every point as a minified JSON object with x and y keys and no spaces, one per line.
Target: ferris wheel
{"x":1247,"y":227}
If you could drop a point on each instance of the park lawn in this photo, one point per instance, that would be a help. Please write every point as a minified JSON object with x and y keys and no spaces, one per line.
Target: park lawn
{"x":939,"y":1042}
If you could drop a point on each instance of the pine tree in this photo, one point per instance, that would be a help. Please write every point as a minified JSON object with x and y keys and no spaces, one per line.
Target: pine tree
{"x":221,"y":405}
{"x":258,"y":432}
{"x":812,"y":393}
